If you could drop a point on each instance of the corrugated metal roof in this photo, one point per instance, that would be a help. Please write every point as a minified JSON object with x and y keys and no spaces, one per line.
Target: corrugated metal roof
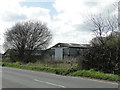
{"x":71,"y":45}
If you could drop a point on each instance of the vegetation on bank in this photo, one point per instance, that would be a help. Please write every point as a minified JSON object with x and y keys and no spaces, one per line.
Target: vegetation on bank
{"x":63,"y":71}
{"x":0,"y":63}
{"x":98,"y":75}
{"x":56,"y":63}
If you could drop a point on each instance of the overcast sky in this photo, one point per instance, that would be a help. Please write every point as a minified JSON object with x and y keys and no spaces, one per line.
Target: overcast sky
{"x":65,"y":18}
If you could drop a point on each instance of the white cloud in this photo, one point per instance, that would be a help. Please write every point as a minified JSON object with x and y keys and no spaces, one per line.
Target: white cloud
{"x":12,"y":12}
{"x":71,"y":13}
{"x":66,"y":25}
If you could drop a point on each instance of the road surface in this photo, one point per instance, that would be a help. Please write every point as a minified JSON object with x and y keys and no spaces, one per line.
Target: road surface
{"x":18,"y":78}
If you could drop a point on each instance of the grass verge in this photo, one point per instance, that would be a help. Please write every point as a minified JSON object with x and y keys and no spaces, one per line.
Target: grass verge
{"x":63,"y":71}
{"x":97,"y":75}
{"x":0,"y":63}
{"x":60,"y":71}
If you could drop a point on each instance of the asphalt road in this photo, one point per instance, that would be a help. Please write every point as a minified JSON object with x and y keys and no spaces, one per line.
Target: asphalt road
{"x":18,"y":78}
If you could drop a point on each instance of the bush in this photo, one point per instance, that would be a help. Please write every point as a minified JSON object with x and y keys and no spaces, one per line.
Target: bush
{"x":104,"y":57}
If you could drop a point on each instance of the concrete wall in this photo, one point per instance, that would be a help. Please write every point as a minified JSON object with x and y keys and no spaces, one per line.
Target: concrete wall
{"x":58,"y":53}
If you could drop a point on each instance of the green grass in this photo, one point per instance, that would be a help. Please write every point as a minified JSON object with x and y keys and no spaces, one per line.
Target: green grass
{"x":0,"y":63}
{"x":61,"y":71}
{"x":65,"y":71}
{"x":97,"y":75}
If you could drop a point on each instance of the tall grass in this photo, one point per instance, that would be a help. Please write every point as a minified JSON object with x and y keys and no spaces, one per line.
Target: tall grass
{"x":56,"y":64}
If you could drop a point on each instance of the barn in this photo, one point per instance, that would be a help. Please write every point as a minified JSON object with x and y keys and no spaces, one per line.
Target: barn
{"x":62,"y":51}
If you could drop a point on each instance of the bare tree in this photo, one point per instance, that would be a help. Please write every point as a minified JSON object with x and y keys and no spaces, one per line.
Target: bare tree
{"x":25,"y":37}
{"x":105,"y":49}
{"x":102,"y":25}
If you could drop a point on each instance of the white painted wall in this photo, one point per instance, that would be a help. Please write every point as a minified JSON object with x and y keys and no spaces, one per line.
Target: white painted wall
{"x":58,"y":53}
